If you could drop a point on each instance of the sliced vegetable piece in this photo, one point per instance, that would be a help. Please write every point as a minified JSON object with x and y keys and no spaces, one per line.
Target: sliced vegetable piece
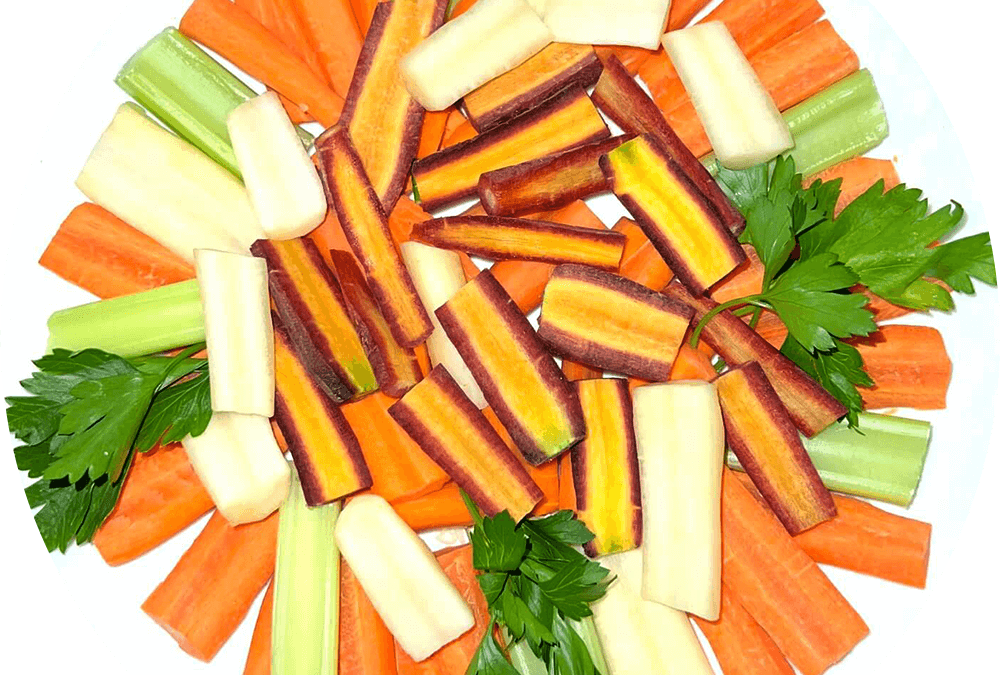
{"x":313,"y":310}
{"x":432,"y":132}
{"x":381,"y":117}
{"x":306,"y":587}
{"x":577,"y":371}
{"x":332,"y":35}
{"x":781,"y":587}
{"x":636,"y":23}
{"x":161,"y":497}
{"x":686,"y":230}
{"x":446,"y":508}
{"x":548,"y":183}
{"x":857,"y":175}
{"x":692,"y":364}
{"x":519,"y":379}
{"x":452,"y":431}
{"x":641,"y":262}
{"x":327,"y":455}
{"x":363,"y":12}
{"x":438,"y":275}
{"x":418,"y":603}
{"x":498,"y":238}
{"x":909,"y":365}
{"x":367,"y":229}
{"x":605,"y":468}
{"x":609,"y":322}
{"x":166,"y":188}
{"x":396,"y":368}
{"x":209,"y":591}
{"x":565,"y":121}
{"x":259,"y":656}
{"x":810,"y":406}
{"x":132,"y":325}
{"x":490,"y":39}
{"x":548,"y":72}
{"x":366,"y":645}
{"x":681,"y":442}
{"x":238,"y":334}
{"x":745,"y":130}
{"x":546,"y":476}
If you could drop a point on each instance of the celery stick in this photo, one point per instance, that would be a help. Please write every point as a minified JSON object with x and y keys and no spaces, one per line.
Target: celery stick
{"x":526,"y":663}
{"x":586,"y":629}
{"x":189,"y":91}
{"x":305,"y":626}
{"x":524,"y":660}
{"x":843,"y":121}
{"x":132,"y":325}
{"x":883,"y":462}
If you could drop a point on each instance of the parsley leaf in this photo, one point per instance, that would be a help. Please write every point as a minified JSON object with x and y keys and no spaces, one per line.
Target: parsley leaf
{"x":497,"y":546}
{"x":489,"y":659}
{"x":177,"y":411}
{"x":958,"y":262}
{"x":840,"y":370}
{"x":561,"y":527}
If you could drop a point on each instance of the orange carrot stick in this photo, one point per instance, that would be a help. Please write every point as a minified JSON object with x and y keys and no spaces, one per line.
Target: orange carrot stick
{"x":463,"y":131}
{"x":692,"y":364}
{"x":641,"y":262}
{"x":857,"y":175}
{"x":96,"y":251}
{"x":781,"y":587}
{"x":682,"y":11}
{"x":366,"y":645}
{"x":331,"y":37}
{"x":162,"y":495}
{"x":545,"y":476}
{"x":454,"y":120}
{"x":432,"y":132}
{"x":461,"y":7}
{"x":363,"y":11}
{"x":455,"y":656}
{"x":740,"y":644}
{"x":208,"y":593}
{"x":225,"y":28}
{"x":279,"y":18}
{"x":577,"y":371}
{"x":259,"y":656}
{"x":909,"y":365}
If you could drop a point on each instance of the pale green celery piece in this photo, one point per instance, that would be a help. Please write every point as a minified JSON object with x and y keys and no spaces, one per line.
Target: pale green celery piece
{"x":884,"y":462}
{"x":306,"y":623}
{"x":522,"y":658}
{"x":132,"y":325}
{"x":586,"y":629}
{"x":189,"y":91}
{"x":843,"y":121}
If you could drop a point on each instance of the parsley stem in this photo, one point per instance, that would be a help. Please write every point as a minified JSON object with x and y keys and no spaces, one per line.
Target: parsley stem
{"x":757,"y":312}
{"x":743,"y":311}
{"x":718,"y":309}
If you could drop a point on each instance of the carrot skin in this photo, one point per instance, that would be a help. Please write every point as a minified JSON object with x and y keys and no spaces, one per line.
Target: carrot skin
{"x":259,"y":656}
{"x":641,"y":262}
{"x":909,"y":365}
{"x":366,"y":645}
{"x":332,"y":37}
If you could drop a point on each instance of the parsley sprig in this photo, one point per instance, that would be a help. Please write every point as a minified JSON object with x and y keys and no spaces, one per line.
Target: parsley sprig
{"x":535,"y":583}
{"x":881,"y":241}
{"x":85,"y":415}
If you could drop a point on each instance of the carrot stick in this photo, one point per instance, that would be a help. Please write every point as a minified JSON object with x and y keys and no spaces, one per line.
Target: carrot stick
{"x":96,"y":251}
{"x":279,"y":18}
{"x":366,"y":645}
{"x":456,"y":655}
{"x":567,"y":490}
{"x":400,"y":469}
{"x":909,"y":365}
{"x":463,"y":131}
{"x":432,"y":132}
{"x":363,"y":11}
{"x":545,"y":476}
{"x":781,"y":587}
{"x":740,"y":644}
{"x":461,"y":7}
{"x":692,"y":364}
{"x":225,"y":28}
{"x":162,"y":495}
{"x":641,"y":262}
{"x":578,"y":371}
{"x":208,"y":593}
{"x":857,"y":175}
{"x":259,"y":657}
{"x":682,"y":11}
{"x":295,"y":113}
{"x":331,"y":37}
{"x":329,"y":236}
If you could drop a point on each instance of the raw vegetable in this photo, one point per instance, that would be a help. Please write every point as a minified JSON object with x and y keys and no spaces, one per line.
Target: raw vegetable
{"x":445,"y":508}
{"x":687,"y":231}
{"x":857,"y":176}
{"x":228,"y":30}
{"x":237,"y":313}
{"x":611,"y":323}
{"x":161,"y":496}
{"x":311,"y":306}
{"x":909,"y":368}
{"x":768,"y":446}
{"x":692,"y":364}
{"x":166,"y":188}
{"x":86,"y":414}
{"x":577,"y":371}
{"x":332,"y":36}
{"x":453,"y":432}
{"x":363,"y":11}
{"x":367,"y":229}
{"x":640,"y":635}
{"x":546,"y":476}
{"x":605,"y":468}
{"x":259,"y":655}
{"x":498,"y":238}
{"x":306,"y":588}
{"x":381,"y":117}
{"x":132,"y":325}
{"x":491,"y":38}
{"x":884,"y":461}
{"x":781,"y":587}
{"x":518,"y":377}
{"x":565,"y":121}
{"x":637,"y":23}
{"x":641,"y":262}
{"x":421,"y":607}
{"x":366,"y":645}
{"x":548,"y":183}
{"x":327,"y":455}
{"x":239,"y":463}
{"x":99,"y":253}
{"x":209,"y":591}
{"x":681,"y":443}
{"x":546,"y":73}
{"x":281,"y":18}
{"x":745,"y":130}
{"x":432,"y":132}
{"x":282,"y":182}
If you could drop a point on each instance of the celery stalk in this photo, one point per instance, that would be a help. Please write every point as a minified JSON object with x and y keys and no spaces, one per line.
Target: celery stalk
{"x":586,"y":629}
{"x":843,"y":121}
{"x":132,"y":325}
{"x":883,"y":462}
{"x":524,"y":660}
{"x":305,"y":626}
{"x":526,"y":663}
{"x":189,"y":91}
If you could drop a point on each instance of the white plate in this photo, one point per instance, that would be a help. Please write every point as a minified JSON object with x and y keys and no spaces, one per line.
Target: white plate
{"x":929,"y":156}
